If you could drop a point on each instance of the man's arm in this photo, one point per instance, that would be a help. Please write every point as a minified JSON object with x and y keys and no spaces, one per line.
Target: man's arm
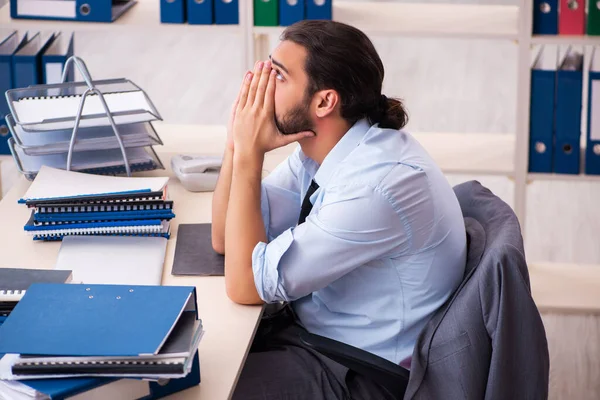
{"x":220,"y":201}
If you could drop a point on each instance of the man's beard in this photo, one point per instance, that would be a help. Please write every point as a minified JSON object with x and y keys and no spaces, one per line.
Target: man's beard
{"x":295,"y":121}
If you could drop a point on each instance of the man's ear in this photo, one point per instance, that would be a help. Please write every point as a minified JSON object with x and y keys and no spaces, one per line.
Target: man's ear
{"x":326,"y":102}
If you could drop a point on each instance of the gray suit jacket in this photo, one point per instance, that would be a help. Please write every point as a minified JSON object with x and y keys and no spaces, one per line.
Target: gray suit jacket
{"x":488,"y":340}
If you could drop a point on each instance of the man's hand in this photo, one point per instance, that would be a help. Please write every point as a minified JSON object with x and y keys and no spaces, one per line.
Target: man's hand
{"x":231,"y":120}
{"x":254,"y":128}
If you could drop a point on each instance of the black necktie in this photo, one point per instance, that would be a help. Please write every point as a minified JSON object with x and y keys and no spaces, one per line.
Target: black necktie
{"x":306,"y":204}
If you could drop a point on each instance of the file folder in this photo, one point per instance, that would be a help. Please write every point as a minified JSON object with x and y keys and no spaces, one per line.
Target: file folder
{"x":227,"y":12}
{"x":101,"y":330}
{"x":541,"y":123}
{"x":173,"y":11}
{"x":593,"y":18}
{"x":592,"y":151}
{"x":70,"y":10}
{"x":318,"y":9}
{"x":291,"y":11}
{"x":545,"y":17}
{"x":200,"y":12}
{"x":571,"y":17}
{"x":55,"y":58}
{"x":567,"y":137}
{"x":266,"y":12}
{"x":27,"y":61}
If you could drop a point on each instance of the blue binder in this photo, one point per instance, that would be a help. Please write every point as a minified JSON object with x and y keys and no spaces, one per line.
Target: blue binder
{"x":62,"y":389}
{"x":541,"y":122}
{"x":71,"y":10}
{"x":592,"y":151}
{"x":291,"y":11}
{"x":27,"y":61}
{"x":227,"y":12}
{"x":545,"y":17}
{"x":201,"y":12}
{"x":318,"y":9}
{"x":55,"y":58}
{"x":9,"y":44}
{"x":569,"y":89}
{"x":173,"y":11}
{"x":94,"y":320}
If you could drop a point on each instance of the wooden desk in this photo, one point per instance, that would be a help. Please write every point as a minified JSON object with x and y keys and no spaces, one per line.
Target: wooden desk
{"x":229,"y":327}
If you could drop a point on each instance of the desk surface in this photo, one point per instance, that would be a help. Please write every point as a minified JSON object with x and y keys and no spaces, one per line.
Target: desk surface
{"x":229,"y":327}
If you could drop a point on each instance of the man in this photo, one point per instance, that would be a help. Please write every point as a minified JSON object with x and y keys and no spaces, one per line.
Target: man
{"x":358,"y":230}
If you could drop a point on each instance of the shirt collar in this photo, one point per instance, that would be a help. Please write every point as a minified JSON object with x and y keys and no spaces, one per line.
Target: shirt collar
{"x":340,"y":151}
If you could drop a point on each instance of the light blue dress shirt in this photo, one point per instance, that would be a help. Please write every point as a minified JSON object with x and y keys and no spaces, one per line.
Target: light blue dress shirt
{"x":383,"y":247}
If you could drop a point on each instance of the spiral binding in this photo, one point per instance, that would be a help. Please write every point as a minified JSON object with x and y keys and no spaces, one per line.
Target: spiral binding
{"x":105,"y":207}
{"x":99,"y":362}
{"x":102,"y":230}
{"x":12,"y":293}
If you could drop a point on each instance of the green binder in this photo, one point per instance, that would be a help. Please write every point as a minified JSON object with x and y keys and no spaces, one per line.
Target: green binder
{"x":266,"y":13}
{"x":593,"y":19}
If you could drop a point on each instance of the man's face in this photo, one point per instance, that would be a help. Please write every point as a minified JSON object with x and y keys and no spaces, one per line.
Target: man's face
{"x":292,"y":108}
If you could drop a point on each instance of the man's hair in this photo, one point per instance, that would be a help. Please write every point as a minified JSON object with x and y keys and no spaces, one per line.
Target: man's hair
{"x":342,"y":58}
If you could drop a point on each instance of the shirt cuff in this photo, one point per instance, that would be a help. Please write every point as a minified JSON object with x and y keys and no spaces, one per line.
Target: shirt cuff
{"x":265,"y":264}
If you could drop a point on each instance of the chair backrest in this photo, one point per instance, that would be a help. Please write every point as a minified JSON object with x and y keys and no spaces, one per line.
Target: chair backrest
{"x":469,"y":348}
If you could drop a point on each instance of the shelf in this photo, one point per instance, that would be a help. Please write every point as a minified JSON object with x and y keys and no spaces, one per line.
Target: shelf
{"x":565,"y":287}
{"x":425,"y":20}
{"x":565,"y":39}
{"x":145,"y":15}
{"x":471,"y":153}
{"x":563,"y":177}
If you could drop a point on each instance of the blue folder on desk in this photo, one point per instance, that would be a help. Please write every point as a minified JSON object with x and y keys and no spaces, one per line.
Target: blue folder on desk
{"x":569,"y":89}
{"x":55,"y":57}
{"x":545,"y":17}
{"x":9,"y":44}
{"x":592,"y":151}
{"x":70,"y":10}
{"x":27,"y":61}
{"x":541,"y":122}
{"x":291,"y":11}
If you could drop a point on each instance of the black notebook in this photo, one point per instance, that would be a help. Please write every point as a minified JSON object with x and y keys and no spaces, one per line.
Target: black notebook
{"x":194,"y":254}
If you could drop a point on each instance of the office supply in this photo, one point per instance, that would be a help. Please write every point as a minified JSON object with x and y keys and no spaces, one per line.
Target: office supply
{"x":113,"y":260}
{"x":98,"y":388}
{"x":68,"y":218}
{"x":27,"y":61}
{"x":70,"y":10}
{"x":593,"y":18}
{"x":56,"y":184}
{"x":194,"y":254}
{"x":101,"y":330}
{"x":102,"y":162}
{"x":571,"y":17}
{"x":567,"y":132}
{"x":94,"y":138}
{"x":200,"y":12}
{"x":226,"y":12}
{"x":173,"y":11}
{"x":197,"y":173}
{"x":318,"y":9}
{"x":290,"y":11}
{"x":66,"y":210}
{"x":541,"y":124}
{"x":545,"y":17}
{"x":592,"y":151}
{"x":55,"y":57}
{"x":266,"y":12}
{"x":55,"y":107}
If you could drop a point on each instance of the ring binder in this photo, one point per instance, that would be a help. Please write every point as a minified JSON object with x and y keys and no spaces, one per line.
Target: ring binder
{"x":98,"y":104}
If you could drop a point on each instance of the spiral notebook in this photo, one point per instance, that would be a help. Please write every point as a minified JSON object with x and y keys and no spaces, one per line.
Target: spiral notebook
{"x":101,"y":330}
{"x":122,"y":205}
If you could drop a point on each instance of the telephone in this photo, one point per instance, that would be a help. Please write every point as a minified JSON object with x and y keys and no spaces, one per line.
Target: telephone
{"x":197,"y":173}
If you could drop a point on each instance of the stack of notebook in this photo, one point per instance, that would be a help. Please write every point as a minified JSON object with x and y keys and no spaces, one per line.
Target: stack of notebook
{"x":82,"y":331}
{"x":43,"y":121}
{"x":65,"y":203}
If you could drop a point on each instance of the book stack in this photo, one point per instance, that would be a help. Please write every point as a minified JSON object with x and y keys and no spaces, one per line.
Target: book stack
{"x":65,"y":203}
{"x":130,"y":341}
{"x":99,"y":127}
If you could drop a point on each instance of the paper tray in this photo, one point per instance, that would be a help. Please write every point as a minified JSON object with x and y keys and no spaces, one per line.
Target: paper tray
{"x":55,"y":107}
{"x":95,"y":138}
{"x":110,"y":161}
